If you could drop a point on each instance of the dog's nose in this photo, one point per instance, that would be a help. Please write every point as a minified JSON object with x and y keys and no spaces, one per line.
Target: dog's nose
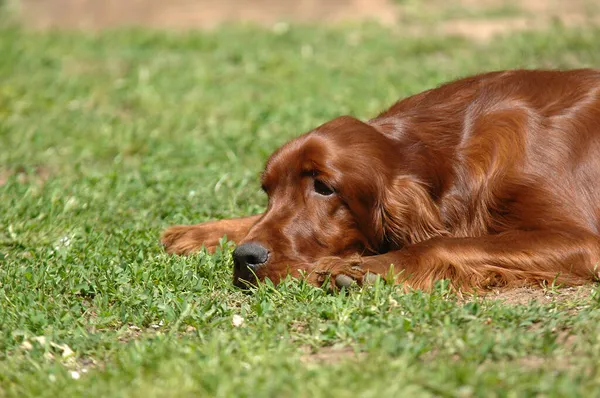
{"x":250,"y":254}
{"x":247,"y":258}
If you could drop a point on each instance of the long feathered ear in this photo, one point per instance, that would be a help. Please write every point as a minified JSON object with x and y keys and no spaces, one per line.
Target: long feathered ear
{"x":408,"y":214}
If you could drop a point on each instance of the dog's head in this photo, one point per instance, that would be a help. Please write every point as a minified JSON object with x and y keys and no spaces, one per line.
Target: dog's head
{"x":334,"y":191}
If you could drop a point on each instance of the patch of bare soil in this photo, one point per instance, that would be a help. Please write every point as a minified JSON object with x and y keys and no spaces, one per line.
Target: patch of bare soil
{"x":485,"y":17}
{"x":4,"y":175}
{"x":329,"y":355}
{"x":185,"y":14}
{"x":483,"y":30}
{"x":525,"y":295}
{"x":38,"y":175}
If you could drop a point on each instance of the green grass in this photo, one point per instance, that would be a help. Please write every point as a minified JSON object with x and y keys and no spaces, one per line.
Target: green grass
{"x":433,"y":12}
{"x":106,"y":139}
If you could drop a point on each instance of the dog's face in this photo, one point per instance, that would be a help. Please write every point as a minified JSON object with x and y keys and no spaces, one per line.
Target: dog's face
{"x":324,"y":192}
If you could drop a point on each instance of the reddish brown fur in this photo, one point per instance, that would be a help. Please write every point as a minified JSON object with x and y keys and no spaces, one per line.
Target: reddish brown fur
{"x":492,"y":180}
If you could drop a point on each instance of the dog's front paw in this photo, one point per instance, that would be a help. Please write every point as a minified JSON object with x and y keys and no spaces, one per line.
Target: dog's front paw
{"x":186,"y":239}
{"x":341,"y":272}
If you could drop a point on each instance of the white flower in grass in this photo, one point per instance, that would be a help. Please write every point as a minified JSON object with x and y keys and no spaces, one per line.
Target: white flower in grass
{"x":157,"y":325}
{"x":237,"y":321}
{"x":63,"y":242}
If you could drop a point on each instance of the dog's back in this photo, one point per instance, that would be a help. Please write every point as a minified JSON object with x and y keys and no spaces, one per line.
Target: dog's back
{"x":505,"y":150}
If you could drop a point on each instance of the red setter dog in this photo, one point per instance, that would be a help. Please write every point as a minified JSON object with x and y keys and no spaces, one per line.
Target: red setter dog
{"x":491,"y":180}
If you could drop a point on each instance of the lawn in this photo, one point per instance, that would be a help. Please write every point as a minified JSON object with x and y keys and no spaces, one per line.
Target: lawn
{"x":108,"y":138}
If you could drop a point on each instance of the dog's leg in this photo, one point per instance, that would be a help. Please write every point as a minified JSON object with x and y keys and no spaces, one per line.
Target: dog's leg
{"x":185,"y":239}
{"x":508,"y":259}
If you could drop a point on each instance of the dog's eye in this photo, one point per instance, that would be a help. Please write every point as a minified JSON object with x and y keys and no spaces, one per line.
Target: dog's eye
{"x":322,"y":189}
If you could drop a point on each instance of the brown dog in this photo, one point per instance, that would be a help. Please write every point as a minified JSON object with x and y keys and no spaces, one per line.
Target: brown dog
{"x":492,"y":180}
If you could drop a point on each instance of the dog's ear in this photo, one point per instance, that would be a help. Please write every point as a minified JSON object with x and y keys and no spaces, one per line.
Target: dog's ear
{"x":407,"y":213}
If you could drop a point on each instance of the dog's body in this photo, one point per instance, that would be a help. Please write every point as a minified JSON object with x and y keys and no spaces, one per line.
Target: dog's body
{"x":492,"y":180}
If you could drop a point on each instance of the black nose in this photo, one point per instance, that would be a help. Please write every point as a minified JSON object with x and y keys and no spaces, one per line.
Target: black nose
{"x":247,"y":258}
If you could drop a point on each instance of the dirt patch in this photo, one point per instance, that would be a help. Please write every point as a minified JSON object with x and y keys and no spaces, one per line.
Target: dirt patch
{"x":476,"y":19}
{"x":185,"y":14}
{"x":37,"y":175}
{"x":525,"y":295}
{"x":484,"y":30}
{"x":484,"y":19}
{"x":539,"y":362}
{"x":4,"y":175}
{"x":329,"y":355}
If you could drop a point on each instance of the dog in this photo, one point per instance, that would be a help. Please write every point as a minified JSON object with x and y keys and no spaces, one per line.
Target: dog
{"x":487,"y":181}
